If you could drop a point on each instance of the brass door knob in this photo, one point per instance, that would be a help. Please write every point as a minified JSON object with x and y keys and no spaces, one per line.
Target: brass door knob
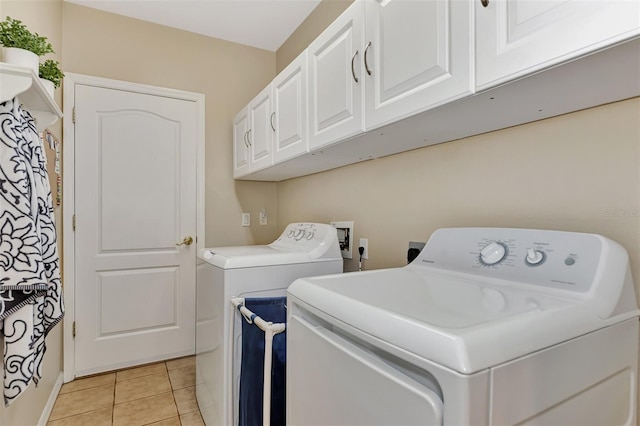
{"x":187,"y":241}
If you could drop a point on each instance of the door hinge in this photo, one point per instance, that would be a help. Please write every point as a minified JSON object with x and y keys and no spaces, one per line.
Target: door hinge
{"x":73,"y":114}
{"x":73,"y":222}
{"x":74,"y":329}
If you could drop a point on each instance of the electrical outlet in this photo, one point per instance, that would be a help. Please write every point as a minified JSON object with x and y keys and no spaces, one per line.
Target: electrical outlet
{"x":246,"y":219}
{"x":345,"y":238}
{"x":364,"y":242}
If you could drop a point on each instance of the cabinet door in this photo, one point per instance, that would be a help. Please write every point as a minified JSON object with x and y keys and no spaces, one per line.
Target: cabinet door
{"x":518,"y":37}
{"x":260,"y":134}
{"x":290,"y":110}
{"x":240,"y":144}
{"x":417,"y":55}
{"x":335,"y":74}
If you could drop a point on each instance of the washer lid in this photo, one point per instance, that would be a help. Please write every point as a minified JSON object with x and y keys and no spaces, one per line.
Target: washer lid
{"x":466,"y":325}
{"x":253,"y":256}
{"x":299,"y":243}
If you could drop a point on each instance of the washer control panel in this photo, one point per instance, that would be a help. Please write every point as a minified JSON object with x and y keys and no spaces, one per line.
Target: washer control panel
{"x":302,"y":232}
{"x":555,"y":259}
{"x":318,"y":239}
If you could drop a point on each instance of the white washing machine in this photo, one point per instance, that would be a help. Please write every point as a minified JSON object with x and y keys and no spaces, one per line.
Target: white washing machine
{"x":303,"y":250}
{"x":487,"y":326}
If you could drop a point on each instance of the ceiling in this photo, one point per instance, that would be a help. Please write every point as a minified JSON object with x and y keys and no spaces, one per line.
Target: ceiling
{"x":264,"y":24}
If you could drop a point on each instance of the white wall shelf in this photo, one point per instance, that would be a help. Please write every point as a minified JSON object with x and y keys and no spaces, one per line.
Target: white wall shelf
{"x":26,"y":85}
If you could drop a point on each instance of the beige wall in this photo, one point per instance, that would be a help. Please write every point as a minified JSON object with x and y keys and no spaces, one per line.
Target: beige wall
{"x":43,"y":17}
{"x":577,"y":172}
{"x":112,"y":46}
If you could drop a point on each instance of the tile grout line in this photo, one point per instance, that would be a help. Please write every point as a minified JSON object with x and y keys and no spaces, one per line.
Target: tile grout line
{"x":113,"y":404}
{"x":116,"y":381}
{"x":82,"y":412}
{"x":172,"y":396}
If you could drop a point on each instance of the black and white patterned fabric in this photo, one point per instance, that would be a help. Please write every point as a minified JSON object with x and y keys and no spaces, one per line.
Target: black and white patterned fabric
{"x":30,"y":288}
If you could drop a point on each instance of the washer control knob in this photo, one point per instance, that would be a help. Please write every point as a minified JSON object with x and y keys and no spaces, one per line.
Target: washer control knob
{"x":493,"y":253}
{"x":534,"y":257}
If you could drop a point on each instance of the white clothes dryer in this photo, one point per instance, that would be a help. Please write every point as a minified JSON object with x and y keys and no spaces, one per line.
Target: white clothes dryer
{"x":303,"y":250}
{"x":487,"y":326}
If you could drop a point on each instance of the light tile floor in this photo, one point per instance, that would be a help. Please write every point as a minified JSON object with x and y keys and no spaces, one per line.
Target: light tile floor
{"x":161,"y":394}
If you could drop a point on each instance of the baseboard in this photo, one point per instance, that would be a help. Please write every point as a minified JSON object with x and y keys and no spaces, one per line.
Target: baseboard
{"x":48,"y":408}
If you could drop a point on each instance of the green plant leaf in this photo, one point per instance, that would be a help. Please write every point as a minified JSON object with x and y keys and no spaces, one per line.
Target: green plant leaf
{"x":50,"y":70}
{"x":13,"y":33}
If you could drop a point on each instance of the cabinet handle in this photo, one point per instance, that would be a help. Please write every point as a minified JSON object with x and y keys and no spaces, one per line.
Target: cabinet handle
{"x":245,"y":139}
{"x":273,"y":114}
{"x":353,"y":72}
{"x":366,"y":65}
{"x":249,"y":136}
{"x":485,"y":3}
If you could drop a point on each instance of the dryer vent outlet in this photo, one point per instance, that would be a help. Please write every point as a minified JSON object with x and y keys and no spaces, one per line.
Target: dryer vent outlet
{"x":345,"y":238}
{"x":414,"y":250}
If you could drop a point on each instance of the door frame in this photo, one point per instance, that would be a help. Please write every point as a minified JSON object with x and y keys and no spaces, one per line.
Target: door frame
{"x":68,"y":188}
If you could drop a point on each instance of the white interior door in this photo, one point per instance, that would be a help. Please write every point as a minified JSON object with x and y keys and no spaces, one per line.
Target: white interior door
{"x":135,"y":199}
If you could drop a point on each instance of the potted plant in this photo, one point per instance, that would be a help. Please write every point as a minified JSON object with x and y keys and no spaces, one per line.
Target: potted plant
{"x":21,"y":46}
{"x":51,"y":75}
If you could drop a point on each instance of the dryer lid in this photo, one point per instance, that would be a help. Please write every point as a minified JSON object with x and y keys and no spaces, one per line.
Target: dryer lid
{"x":463,"y":324}
{"x":477,"y":297}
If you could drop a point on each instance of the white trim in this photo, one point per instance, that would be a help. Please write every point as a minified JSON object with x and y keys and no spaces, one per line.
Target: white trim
{"x":68,"y":241}
{"x":48,"y":408}
{"x":68,"y":189}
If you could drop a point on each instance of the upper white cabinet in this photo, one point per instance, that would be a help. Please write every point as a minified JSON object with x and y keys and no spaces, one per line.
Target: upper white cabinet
{"x":519,"y":37}
{"x":253,"y":135}
{"x":260,"y":135}
{"x":416,"y":55}
{"x":241,"y":161}
{"x":290,"y":110}
{"x":401,"y":64}
{"x":335,"y":80}
{"x":26,"y":85}
{"x":382,"y":61}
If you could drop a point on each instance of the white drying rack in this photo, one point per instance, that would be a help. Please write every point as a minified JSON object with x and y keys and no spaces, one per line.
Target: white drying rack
{"x":270,"y":329}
